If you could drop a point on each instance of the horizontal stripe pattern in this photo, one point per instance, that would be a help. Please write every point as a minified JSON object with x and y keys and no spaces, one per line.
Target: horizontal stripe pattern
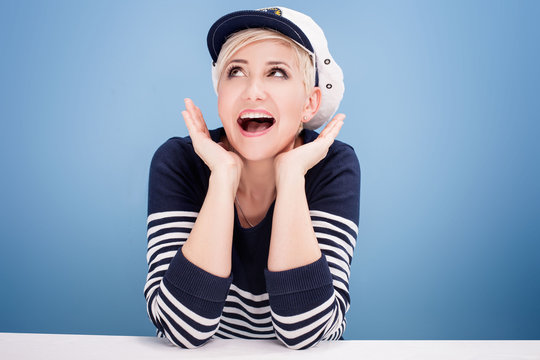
{"x":247,"y":315}
{"x":337,"y":238}
{"x":167,"y":232}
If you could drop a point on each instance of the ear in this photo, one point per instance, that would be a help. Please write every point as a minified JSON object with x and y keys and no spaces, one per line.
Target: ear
{"x":312,"y":104}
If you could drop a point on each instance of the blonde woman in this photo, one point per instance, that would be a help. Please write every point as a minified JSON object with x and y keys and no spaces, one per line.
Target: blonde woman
{"x":252,"y":226}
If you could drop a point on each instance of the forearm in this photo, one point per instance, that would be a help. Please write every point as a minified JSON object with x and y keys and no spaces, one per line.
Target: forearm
{"x":293,"y":242}
{"x":210,"y":241}
{"x":184,"y":302}
{"x":305,"y":305}
{"x":186,"y":306}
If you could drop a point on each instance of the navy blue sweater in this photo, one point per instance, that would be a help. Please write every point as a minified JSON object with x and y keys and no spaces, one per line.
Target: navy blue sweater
{"x":301,"y":306}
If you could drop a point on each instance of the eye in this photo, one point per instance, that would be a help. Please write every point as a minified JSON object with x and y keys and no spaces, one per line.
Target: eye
{"x":279,"y":73}
{"x":235,"y":71}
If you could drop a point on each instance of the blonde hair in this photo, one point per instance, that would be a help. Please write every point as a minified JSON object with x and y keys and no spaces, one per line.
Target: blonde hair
{"x":305,"y":58}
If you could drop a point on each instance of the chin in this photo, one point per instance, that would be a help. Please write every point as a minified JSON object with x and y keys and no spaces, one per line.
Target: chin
{"x":259,"y":148}
{"x":257,"y":153}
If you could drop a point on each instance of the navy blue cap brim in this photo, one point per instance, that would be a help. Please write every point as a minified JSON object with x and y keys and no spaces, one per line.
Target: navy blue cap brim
{"x":246,"y":19}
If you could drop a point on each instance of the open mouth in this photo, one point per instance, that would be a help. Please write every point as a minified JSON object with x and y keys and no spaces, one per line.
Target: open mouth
{"x":255,"y":122}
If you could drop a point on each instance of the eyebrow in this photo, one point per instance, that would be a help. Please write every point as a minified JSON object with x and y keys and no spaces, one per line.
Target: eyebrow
{"x":242,"y":61}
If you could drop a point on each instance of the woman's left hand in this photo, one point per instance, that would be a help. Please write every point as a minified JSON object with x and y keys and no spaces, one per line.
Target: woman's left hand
{"x":304,"y":157}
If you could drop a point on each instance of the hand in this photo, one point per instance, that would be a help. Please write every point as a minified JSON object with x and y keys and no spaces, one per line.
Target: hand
{"x":214,"y":155}
{"x":304,"y":157}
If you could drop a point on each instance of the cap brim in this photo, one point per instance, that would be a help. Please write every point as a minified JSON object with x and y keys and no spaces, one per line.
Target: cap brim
{"x":245,"y":19}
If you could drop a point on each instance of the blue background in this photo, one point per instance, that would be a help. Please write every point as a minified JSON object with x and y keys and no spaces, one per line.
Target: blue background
{"x":442,"y":104}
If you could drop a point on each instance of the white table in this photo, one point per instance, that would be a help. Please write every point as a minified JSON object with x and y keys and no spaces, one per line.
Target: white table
{"x":53,"y":346}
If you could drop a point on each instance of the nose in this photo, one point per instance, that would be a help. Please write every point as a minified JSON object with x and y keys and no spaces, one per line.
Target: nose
{"x":254,"y":89}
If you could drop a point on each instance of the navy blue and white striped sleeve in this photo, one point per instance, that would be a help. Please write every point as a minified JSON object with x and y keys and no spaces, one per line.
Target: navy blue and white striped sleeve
{"x":183,"y":301}
{"x":308,"y":304}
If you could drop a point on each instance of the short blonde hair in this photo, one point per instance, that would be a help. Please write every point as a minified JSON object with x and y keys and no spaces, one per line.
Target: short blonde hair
{"x":305,"y":58}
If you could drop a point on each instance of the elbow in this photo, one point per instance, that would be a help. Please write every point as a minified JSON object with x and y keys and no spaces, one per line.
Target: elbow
{"x":309,"y":336}
{"x":186,"y":345}
{"x":178,"y":328}
{"x":183,"y":336}
{"x":183,"y":342}
{"x":295,"y":344}
{"x":299,"y":339}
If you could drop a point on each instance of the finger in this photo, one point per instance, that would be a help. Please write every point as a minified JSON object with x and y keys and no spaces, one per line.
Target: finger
{"x":340,"y":117}
{"x":335,"y":130}
{"x":198,"y":112}
{"x":187,"y":119}
{"x":337,"y":124}
{"x":195,"y":111}
{"x":326,"y":129}
{"x":189,"y":107}
{"x":189,"y":124}
{"x":332,"y":133}
{"x":331,"y":125}
{"x":196,"y":115}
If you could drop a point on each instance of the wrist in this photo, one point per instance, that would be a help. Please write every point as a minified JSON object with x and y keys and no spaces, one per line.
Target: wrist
{"x":289,"y":177}
{"x":225,"y":180}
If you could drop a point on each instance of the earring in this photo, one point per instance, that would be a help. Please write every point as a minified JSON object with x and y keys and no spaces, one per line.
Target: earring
{"x":305,"y":117}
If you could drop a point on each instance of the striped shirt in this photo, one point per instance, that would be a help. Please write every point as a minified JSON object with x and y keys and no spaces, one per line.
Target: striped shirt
{"x":300,"y":306}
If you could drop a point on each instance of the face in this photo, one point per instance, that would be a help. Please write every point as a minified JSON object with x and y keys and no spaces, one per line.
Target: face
{"x":262,"y":99}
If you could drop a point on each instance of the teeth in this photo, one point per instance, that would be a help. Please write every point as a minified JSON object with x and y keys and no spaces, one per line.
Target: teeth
{"x":254,"y":115}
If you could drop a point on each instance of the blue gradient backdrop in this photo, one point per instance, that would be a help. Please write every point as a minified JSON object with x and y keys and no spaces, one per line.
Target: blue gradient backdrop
{"x":443,"y":110}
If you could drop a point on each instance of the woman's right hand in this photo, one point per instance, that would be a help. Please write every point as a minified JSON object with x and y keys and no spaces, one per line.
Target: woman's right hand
{"x":220,"y":161}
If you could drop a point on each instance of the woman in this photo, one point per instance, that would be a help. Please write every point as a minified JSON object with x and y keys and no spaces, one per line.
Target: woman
{"x":252,"y":226}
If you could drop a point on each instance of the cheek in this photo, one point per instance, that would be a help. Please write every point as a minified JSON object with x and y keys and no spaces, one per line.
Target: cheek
{"x":293,"y":106}
{"x":294,"y":97}
{"x":224,"y":105}
{"x":226,"y":95}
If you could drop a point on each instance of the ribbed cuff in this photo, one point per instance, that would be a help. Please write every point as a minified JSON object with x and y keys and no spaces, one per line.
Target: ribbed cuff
{"x":193,"y":280}
{"x":304,"y":278}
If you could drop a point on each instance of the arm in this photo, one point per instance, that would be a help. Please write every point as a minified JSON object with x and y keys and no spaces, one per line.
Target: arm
{"x":293,"y":242}
{"x":188,"y":261}
{"x":309,"y":298}
{"x":209,"y":245}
